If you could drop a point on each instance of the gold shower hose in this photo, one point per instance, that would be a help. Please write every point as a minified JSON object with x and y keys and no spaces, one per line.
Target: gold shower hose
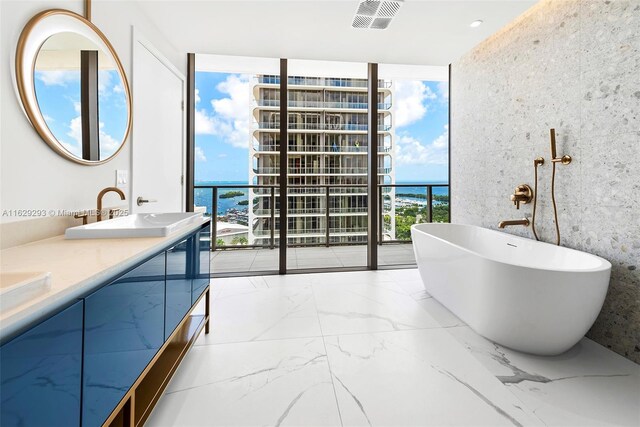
{"x":553,"y":200}
{"x":537,"y":162}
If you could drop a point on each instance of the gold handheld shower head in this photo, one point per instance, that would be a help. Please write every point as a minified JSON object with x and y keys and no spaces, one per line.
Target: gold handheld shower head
{"x":566,"y":159}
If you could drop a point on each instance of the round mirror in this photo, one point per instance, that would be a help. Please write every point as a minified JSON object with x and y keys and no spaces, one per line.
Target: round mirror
{"x":73,"y":87}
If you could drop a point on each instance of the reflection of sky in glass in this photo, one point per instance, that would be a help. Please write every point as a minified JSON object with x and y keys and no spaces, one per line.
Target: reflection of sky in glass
{"x":58,"y":94}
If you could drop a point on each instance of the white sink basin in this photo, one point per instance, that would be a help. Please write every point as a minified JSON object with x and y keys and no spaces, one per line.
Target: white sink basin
{"x":18,"y":288}
{"x":137,"y":225}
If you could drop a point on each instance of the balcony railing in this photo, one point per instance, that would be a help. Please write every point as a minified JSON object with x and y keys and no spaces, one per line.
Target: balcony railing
{"x":319,"y":210}
{"x":409,"y":202}
{"x":306,"y":211}
{"x":321,"y":81}
{"x":334,"y":191}
{"x":328,"y":105}
{"x":310,"y":148}
{"x":273,"y":170}
{"x":323,"y":126}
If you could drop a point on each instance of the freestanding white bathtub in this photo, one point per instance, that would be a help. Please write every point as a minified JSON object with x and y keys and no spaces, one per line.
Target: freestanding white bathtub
{"x":530,"y":296}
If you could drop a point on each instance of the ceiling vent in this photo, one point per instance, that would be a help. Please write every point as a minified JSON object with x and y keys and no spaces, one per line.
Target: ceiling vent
{"x":375,"y":14}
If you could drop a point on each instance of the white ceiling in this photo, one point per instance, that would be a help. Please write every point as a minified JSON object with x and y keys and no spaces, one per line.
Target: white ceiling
{"x":423,"y":32}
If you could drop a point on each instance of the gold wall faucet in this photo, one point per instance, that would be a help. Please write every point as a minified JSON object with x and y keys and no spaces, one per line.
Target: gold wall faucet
{"x":101,"y":195}
{"x":522,"y":194}
{"x":523,"y":221}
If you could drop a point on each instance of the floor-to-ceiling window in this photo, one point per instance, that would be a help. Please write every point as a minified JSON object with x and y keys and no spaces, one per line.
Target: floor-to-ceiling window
{"x":242,"y":162}
{"x":237,"y":159}
{"x":327,"y":165}
{"x":417,"y":189}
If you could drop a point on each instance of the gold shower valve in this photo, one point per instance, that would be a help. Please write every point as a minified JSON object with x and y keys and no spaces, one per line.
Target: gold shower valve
{"x":522,"y":194}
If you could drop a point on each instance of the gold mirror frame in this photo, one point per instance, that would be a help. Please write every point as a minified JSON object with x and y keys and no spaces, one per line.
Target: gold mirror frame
{"x":26,"y":54}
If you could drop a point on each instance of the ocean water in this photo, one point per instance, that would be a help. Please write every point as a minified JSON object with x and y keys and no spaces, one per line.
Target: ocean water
{"x":203,"y":195}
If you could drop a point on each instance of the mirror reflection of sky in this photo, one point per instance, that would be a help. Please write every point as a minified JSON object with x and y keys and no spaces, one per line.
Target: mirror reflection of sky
{"x":58,"y":95}
{"x":224,"y":127}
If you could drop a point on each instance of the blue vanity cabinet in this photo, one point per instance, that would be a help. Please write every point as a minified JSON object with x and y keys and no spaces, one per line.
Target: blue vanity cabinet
{"x":40,"y":373}
{"x":179,"y":281}
{"x":123,"y":330}
{"x":202,"y":262}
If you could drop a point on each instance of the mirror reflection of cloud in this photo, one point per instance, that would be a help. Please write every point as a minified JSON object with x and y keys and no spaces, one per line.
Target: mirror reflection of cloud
{"x":58,"y":94}
{"x":58,"y":77}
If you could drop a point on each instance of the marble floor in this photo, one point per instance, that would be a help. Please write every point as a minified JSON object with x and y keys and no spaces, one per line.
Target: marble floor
{"x":374,"y":349}
{"x":263,"y":260}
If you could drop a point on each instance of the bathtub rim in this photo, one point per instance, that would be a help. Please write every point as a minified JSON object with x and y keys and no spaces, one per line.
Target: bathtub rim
{"x":605,"y":264}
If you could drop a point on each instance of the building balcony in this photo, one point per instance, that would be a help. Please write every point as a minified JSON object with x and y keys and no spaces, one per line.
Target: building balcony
{"x":318,"y":191}
{"x":319,"y":232}
{"x":314,"y":211}
{"x":308,"y":148}
{"x":266,"y":170}
{"x":322,"y":105}
{"x":348,"y":230}
{"x":321,"y":81}
{"x":323,"y":126}
{"x":333,"y":191}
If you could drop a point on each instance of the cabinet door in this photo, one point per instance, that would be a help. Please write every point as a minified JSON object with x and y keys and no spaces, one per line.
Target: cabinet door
{"x":123,"y":331}
{"x":179,"y":278}
{"x":203,"y":262}
{"x":40,"y":373}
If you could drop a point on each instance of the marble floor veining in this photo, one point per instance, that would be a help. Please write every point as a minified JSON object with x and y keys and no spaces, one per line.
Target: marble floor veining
{"x":374,"y":349}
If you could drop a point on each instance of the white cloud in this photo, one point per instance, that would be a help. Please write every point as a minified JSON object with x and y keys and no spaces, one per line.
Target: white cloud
{"x":75,"y":133}
{"x":222,"y":155}
{"x":411,"y":151}
{"x":104,"y":82}
{"x":118,"y":89}
{"x":411,"y":99}
{"x":231,"y":118}
{"x":57,"y":77}
{"x":108,"y":144}
{"x":204,"y":124}
{"x":443,"y":91}
{"x":200,"y":157}
{"x":197,"y":96}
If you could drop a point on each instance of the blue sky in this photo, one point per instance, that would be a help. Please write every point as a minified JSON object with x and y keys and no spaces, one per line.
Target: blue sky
{"x":58,"y":93}
{"x":222,"y":143}
{"x":224,"y":120}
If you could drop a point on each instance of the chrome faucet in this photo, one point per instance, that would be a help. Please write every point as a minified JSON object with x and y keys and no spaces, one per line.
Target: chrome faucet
{"x":523,"y":221}
{"x":101,"y":195}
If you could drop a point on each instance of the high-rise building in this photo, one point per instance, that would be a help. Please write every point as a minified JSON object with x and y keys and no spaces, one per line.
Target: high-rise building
{"x":327,"y":146}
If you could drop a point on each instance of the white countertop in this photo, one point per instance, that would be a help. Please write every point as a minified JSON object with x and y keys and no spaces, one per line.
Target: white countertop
{"x":76,"y":267}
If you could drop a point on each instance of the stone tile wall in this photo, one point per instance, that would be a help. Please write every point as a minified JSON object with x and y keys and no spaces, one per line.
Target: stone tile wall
{"x":574,"y":66}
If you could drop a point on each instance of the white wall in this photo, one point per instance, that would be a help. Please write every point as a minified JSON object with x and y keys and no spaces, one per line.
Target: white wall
{"x":32,"y":176}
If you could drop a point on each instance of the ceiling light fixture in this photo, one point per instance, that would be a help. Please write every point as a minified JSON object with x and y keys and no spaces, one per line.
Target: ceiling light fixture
{"x":476,"y":23}
{"x":376,"y":14}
